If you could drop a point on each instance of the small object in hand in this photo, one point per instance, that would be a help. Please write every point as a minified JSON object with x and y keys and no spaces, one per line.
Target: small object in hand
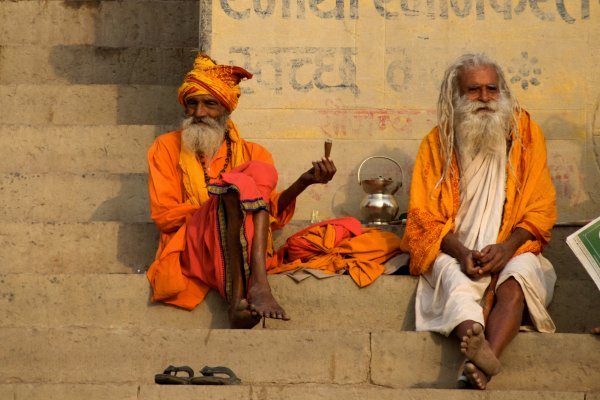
{"x":328,"y":144}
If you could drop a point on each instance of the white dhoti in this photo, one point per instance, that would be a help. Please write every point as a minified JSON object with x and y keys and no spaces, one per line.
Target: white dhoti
{"x":445,"y":295}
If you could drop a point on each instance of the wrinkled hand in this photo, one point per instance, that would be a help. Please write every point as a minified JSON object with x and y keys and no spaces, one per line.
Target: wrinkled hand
{"x":469,"y":265}
{"x":493,"y":258}
{"x":321,"y":172}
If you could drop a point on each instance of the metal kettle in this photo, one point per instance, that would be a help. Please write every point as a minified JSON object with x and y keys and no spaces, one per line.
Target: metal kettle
{"x":379,"y":206}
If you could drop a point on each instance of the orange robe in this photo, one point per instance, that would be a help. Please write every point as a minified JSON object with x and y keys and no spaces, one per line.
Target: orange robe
{"x":172,"y":210}
{"x":530,"y":197}
{"x":339,"y":245}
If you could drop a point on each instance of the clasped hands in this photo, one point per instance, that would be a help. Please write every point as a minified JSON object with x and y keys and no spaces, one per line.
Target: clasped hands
{"x":490,"y":260}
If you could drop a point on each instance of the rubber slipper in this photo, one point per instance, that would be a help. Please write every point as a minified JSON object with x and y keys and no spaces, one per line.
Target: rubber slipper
{"x":169,"y":376}
{"x":216,"y":376}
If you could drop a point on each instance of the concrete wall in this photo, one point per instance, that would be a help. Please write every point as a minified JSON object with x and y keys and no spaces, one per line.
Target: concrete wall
{"x":367,"y":75}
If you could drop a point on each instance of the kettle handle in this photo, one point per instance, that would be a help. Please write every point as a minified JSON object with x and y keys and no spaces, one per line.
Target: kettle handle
{"x":387,"y":158}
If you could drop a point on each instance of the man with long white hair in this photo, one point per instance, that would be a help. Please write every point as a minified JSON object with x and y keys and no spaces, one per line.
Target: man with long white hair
{"x":482,"y":206}
{"x":213,"y":197}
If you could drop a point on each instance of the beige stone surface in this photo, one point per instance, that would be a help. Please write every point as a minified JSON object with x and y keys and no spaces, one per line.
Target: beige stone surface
{"x":362,"y":69}
{"x":89,"y":104}
{"x":533,"y":361}
{"x":123,"y":300}
{"x":264,"y":392}
{"x":76,"y":149}
{"x":134,"y":23}
{"x":85,"y":64}
{"x":63,"y":248}
{"x":96,"y":299}
{"x":74,"y":197}
{"x":349,"y":392}
{"x":337,"y":302}
{"x":19,"y":391}
{"x":68,"y":355}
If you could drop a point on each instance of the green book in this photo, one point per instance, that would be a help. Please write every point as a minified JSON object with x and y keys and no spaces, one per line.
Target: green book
{"x":585,"y":243}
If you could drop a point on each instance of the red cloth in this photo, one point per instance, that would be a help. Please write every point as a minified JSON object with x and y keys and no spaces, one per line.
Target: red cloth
{"x":205,"y":259}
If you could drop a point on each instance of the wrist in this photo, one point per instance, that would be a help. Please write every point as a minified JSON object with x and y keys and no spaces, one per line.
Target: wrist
{"x":303,"y":182}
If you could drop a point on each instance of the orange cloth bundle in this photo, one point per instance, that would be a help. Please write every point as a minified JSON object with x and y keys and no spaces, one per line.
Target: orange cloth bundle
{"x":339,"y":245}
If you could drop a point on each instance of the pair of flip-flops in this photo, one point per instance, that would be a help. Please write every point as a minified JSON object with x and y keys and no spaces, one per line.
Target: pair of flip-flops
{"x":210,"y":376}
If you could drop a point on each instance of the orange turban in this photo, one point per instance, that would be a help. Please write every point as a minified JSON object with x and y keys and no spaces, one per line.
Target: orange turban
{"x":220,"y":81}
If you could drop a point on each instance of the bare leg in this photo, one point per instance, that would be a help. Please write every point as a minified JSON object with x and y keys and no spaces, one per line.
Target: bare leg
{"x":259,"y":293}
{"x":502,"y":327}
{"x":596,"y":330}
{"x":239,"y":312}
{"x":505,"y":318}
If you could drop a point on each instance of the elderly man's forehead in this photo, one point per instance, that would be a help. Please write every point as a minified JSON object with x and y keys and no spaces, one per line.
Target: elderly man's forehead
{"x":470,"y":71}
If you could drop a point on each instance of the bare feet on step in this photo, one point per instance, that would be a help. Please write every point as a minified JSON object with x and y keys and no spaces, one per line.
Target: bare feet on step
{"x":263,"y":304}
{"x":477,"y":378}
{"x":476,"y":348}
{"x":241,"y":315}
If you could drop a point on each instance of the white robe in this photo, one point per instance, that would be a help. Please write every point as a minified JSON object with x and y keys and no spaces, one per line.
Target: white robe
{"x":445,"y":295}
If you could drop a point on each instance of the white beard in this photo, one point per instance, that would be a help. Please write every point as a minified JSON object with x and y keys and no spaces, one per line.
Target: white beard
{"x":483,"y":132}
{"x":205,"y":135}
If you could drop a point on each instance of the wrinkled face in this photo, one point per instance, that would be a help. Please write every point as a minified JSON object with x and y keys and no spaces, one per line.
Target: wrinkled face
{"x":204,"y":105}
{"x":479,"y":84}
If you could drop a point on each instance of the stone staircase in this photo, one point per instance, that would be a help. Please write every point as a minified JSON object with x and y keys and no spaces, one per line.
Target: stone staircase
{"x":85,"y":86}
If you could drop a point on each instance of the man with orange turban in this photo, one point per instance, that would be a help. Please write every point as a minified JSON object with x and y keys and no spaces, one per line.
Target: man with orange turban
{"x":212,"y":195}
{"x":482,"y":206}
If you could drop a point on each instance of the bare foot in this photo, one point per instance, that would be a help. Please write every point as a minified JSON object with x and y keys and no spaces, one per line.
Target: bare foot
{"x":478,"y":351}
{"x":241,"y":315}
{"x":596,"y":330}
{"x":475,"y":376}
{"x":263,"y":304}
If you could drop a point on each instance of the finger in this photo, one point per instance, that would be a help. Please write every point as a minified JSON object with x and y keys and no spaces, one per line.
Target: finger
{"x":318,"y":171}
{"x":328,"y":170}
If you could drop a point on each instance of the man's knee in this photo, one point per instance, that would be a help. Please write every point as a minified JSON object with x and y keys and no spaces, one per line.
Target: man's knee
{"x":511,"y":293}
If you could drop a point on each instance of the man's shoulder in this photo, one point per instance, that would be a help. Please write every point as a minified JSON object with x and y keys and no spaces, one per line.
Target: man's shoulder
{"x":170,"y":139}
{"x":173,"y":136}
{"x":529,"y":129}
{"x":166,"y":143}
{"x":256,"y":149}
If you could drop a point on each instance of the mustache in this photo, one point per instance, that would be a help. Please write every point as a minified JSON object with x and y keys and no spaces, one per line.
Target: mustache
{"x":219,"y":122}
{"x":466,"y":106}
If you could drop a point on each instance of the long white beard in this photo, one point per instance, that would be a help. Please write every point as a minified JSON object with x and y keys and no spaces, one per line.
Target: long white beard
{"x":483,"y":132}
{"x":204,"y":135}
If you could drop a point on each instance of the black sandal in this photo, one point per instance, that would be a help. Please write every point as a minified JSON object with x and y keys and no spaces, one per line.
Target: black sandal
{"x":169,"y":376}
{"x":208,"y":377}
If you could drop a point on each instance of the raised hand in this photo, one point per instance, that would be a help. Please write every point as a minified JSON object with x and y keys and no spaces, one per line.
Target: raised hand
{"x":322,"y":171}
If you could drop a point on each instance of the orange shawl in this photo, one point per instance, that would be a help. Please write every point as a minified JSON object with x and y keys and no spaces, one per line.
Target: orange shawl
{"x":171,"y":208}
{"x":339,"y":245}
{"x":530,"y":197}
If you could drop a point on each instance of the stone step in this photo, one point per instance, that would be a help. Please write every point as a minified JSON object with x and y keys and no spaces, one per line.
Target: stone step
{"x":548,"y":362}
{"x":39,"y":149}
{"x":122,"y":300}
{"x":85,"y":64}
{"x":90,"y":297}
{"x":77,"y":248}
{"x":68,"y":197}
{"x":71,"y":104}
{"x":133,"y":23}
{"x":99,"y":248}
{"x":269,"y":392}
